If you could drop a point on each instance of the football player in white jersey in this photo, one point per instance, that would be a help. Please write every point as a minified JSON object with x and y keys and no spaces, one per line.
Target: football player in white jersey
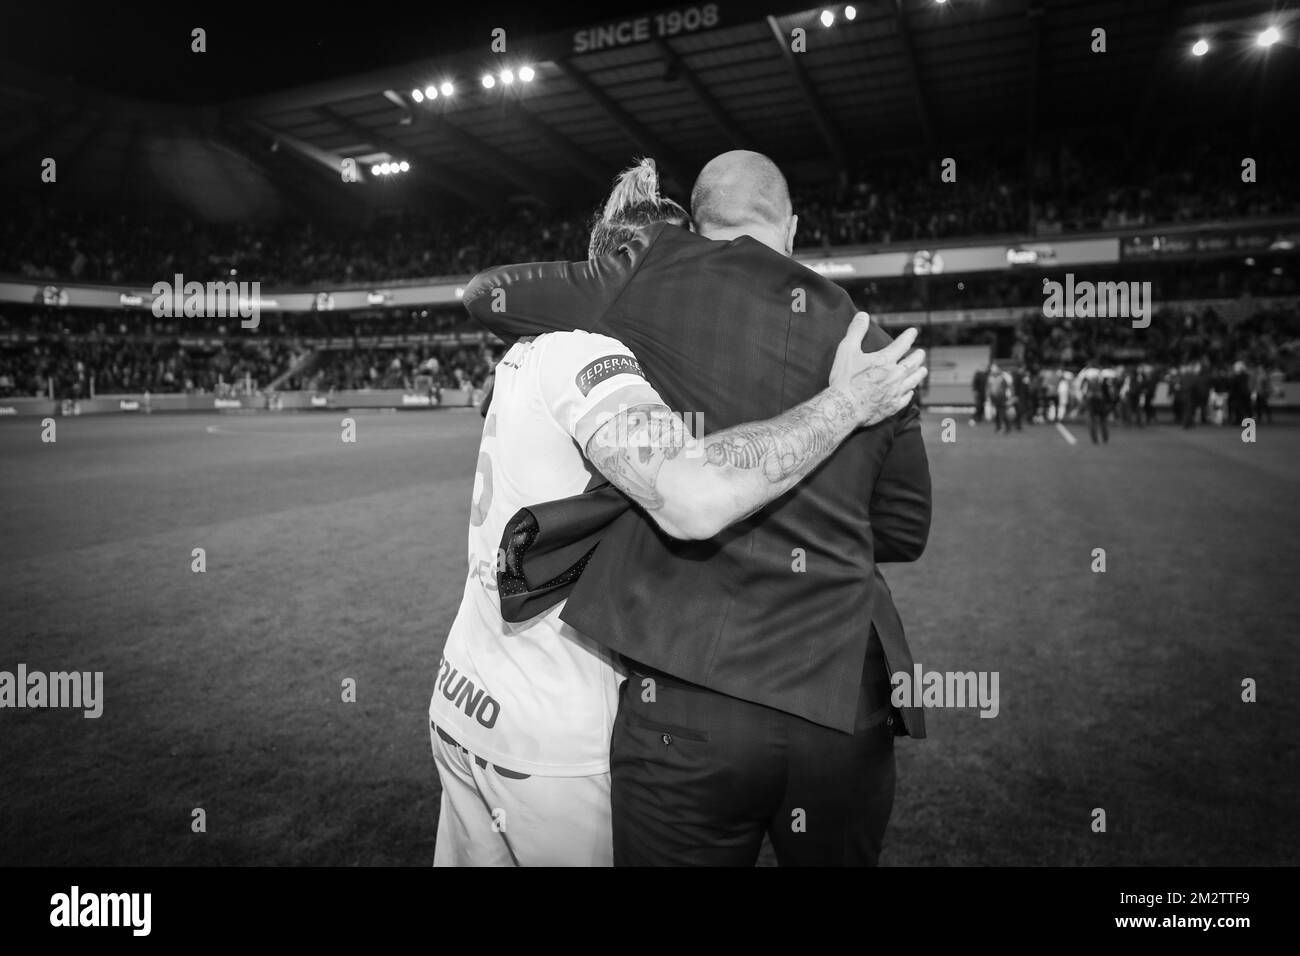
{"x":521,"y":714}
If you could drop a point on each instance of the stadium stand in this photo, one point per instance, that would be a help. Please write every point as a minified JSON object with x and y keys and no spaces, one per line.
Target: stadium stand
{"x":497,"y":177}
{"x":1068,"y":190}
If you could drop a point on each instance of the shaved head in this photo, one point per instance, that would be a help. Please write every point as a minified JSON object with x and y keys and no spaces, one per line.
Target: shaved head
{"x":740,"y":188}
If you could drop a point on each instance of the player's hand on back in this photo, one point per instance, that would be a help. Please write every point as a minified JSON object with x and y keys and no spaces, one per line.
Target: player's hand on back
{"x":878,"y":383}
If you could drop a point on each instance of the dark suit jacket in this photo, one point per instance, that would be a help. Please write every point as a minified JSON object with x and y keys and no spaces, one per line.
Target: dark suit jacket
{"x":778,"y":608}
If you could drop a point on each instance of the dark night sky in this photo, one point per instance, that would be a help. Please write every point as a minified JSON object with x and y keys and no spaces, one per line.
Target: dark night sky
{"x":143,"y":49}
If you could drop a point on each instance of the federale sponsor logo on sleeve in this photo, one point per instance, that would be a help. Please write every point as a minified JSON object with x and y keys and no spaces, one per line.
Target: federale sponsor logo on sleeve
{"x":606,"y":367}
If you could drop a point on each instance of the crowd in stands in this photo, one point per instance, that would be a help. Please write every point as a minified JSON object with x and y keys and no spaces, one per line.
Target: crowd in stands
{"x":892,"y":203}
{"x":141,"y":323}
{"x":1179,"y":183}
{"x":80,"y":368}
{"x":411,"y":369}
{"x":133,"y":352}
{"x":75,"y":352}
{"x":1270,"y":335}
{"x":1068,"y":188}
{"x":80,"y":247}
{"x":1265,"y":275}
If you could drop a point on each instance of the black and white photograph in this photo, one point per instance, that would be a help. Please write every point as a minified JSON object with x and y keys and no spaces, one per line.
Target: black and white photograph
{"x":737,"y":434}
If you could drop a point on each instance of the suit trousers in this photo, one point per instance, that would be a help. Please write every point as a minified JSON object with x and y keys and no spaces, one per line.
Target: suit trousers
{"x":698,"y":779}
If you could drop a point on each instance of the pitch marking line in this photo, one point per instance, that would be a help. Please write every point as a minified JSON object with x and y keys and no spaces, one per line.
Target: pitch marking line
{"x":233,"y":433}
{"x":1065,"y":433}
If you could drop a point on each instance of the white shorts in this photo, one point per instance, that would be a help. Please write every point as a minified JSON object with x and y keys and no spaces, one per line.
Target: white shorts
{"x":494,"y":817}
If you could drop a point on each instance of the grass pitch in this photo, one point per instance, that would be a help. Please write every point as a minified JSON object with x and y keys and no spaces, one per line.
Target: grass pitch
{"x":1118,"y":690}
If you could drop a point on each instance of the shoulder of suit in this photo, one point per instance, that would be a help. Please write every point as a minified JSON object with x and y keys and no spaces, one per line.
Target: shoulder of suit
{"x":662,"y":237}
{"x":799,"y":273}
{"x":663,"y":234}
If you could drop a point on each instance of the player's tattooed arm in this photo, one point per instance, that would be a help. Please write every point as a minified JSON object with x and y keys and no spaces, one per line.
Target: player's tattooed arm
{"x":782,"y":447}
{"x":632,"y":447}
{"x":695,"y":488}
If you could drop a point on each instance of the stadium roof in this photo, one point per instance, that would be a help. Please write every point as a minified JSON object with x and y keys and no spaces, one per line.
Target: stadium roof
{"x":681,"y":85}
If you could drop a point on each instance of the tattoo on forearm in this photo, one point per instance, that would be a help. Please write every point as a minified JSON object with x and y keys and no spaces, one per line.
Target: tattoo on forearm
{"x":632,"y":447}
{"x":783,"y":446}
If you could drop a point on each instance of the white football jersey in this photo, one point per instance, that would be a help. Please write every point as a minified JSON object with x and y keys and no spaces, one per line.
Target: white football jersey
{"x":535,"y":697}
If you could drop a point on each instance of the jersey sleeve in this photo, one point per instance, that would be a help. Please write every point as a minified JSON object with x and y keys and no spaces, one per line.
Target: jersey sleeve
{"x":587,"y":379}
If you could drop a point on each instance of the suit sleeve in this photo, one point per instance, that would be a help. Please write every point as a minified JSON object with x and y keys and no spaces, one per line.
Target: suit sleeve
{"x":538,"y":297}
{"x":900,"y":500}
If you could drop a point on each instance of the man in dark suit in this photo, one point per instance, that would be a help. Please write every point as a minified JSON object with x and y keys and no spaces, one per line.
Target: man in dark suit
{"x":759,"y":659}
